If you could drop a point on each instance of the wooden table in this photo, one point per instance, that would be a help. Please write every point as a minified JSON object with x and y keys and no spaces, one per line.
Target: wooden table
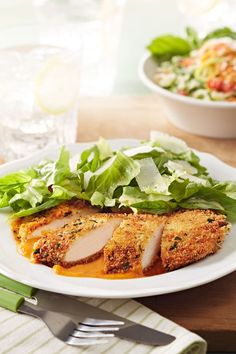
{"x":209,"y":310}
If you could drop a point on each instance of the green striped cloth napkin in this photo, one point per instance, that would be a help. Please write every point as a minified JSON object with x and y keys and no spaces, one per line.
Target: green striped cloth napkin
{"x":22,"y":334}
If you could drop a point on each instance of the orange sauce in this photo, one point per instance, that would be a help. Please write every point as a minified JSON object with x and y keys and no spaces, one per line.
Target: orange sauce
{"x":92,"y":269}
{"x":155,"y":269}
{"x":26,"y":248}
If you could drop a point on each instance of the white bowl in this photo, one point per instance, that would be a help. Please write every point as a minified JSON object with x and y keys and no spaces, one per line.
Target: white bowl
{"x":207,"y":118}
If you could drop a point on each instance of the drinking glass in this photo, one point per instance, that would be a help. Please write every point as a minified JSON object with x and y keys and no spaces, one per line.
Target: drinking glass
{"x":39,"y":85}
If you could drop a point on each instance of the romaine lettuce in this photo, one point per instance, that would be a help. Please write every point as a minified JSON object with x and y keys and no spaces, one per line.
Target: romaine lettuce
{"x":158,"y":176}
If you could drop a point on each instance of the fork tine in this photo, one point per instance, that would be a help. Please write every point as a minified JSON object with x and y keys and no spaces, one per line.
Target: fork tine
{"x":85,"y":328}
{"x":84,"y":341}
{"x":97,"y":322}
{"x":82,"y":334}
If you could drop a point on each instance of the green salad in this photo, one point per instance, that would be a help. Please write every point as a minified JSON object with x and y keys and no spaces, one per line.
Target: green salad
{"x":203,"y":68}
{"x":157,"y":176}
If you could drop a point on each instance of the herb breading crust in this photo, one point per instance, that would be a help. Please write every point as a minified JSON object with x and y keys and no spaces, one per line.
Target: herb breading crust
{"x":191,"y":235}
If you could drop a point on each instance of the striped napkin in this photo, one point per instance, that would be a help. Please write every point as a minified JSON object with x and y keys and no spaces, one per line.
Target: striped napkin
{"x":22,"y":334}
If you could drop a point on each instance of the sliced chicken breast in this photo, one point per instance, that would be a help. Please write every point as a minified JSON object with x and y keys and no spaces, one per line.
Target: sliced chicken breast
{"x":135,"y":244}
{"x":191,"y":235}
{"x":16,"y":224}
{"x":51,"y":219}
{"x":78,"y":242}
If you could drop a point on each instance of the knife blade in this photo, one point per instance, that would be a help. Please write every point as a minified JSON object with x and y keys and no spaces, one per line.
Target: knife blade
{"x":79,"y":311}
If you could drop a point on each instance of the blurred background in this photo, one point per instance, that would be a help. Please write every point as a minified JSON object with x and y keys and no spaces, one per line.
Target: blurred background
{"x":115,"y":32}
{"x":54,"y":52}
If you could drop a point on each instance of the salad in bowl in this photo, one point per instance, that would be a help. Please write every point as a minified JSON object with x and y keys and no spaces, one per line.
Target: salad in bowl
{"x":196,"y":80}
{"x":204,"y":69}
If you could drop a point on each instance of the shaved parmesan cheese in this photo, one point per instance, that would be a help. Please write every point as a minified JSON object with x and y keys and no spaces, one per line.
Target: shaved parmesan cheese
{"x":142,"y":149}
{"x":168,"y":142}
{"x":149,"y":178}
{"x":149,"y":174}
{"x":181,"y":166}
{"x":195,"y":179}
{"x":183,"y":169}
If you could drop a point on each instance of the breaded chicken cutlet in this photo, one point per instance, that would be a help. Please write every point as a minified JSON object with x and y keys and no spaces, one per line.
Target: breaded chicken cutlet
{"x":135,"y":244}
{"x":78,"y":242}
{"x":74,"y":232}
{"x":31,"y":226}
{"x":191,"y":235}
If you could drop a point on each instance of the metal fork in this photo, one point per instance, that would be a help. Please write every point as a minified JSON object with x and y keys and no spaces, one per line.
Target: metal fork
{"x":89,"y":332}
{"x":86,"y":332}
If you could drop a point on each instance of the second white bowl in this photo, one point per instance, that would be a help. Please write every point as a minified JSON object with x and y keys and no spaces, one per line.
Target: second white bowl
{"x":207,"y":118}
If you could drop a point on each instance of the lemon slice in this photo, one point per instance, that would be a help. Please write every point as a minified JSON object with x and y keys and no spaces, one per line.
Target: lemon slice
{"x":56,"y":86}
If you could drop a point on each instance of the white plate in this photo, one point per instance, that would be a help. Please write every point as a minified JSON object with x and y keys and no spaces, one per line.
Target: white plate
{"x":19,"y":268}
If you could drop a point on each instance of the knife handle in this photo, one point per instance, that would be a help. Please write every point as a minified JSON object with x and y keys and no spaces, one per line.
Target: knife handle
{"x":10,"y":301}
{"x":17,"y":287}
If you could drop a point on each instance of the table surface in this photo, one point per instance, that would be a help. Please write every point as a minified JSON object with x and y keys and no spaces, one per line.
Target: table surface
{"x":209,"y":310}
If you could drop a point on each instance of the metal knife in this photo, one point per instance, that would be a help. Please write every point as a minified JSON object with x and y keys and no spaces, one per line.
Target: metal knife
{"x":79,"y":311}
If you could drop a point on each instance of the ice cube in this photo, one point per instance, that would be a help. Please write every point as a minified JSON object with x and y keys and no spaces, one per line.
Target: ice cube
{"x":10,"y":63}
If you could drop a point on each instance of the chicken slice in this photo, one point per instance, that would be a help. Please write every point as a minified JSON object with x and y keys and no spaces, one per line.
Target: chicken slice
{"x":135,"y":244}
{"x":78,"y":242}
{"x":51,"y":219}
{"x":191,"y":235}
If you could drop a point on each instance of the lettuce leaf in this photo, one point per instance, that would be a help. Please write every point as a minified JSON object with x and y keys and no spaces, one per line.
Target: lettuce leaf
{"x":155,"y":206}
{"x":14,"y":180}
{"x":201,"y":203}
{"x":183,"y":190}
{"x":166,"y":46}
{"x":132,"y":195}
{"x":120,"y":173}
{"x":228,"y":188}
{"x":150,"y":203}
{"x":192,"y":37}
{"x":40,"y":187}
{"x":46,"y":205}
{"x":220,"y":33}
{"x":211,"y":198}
{"x":104,"y":149}
{"x":92,"y":159}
